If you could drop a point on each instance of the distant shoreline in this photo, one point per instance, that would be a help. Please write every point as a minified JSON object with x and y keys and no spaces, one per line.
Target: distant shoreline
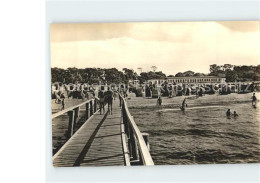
{"x":192,"y":101}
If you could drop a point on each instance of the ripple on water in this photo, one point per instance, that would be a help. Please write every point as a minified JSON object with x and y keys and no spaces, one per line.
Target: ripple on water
{"x":201,"y":136}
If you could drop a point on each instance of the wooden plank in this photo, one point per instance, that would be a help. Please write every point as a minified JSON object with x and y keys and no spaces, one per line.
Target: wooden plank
{"x":97,"y":143}
{"x":145,"y":154}
{"x":107,"y":149}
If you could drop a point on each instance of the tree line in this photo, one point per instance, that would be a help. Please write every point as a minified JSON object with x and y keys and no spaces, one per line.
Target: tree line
{"x":113,"y":75}
{"x":236,"y":73}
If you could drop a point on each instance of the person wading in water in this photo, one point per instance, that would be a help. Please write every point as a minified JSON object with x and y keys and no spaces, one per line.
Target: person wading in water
{"x":228,"y":113}
{"x":184,"y":105}
{"x":235,"y":114}
{"x":254,"y":99}
{"x":109,"y":99}
{"x":101,"y":97}
{"x":159,"y":101}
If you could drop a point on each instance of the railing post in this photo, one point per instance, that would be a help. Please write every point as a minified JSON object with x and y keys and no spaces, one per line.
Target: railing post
{"x":76,"y":115}
{"x":146,"y":139}
{"x":133,"y":146}
{"x":87,"y":110}
{"x":95,"y":105}
{"x":91,"y":107}
{"x":71,"y":123}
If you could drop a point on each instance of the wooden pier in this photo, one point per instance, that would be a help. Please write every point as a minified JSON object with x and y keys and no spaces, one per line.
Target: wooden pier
{"x":103,"y":140}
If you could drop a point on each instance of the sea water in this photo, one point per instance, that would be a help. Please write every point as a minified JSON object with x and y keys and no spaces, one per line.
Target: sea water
{"x":202,"y":134}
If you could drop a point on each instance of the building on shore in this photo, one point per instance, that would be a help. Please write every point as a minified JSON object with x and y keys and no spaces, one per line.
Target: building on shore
{"x":134,"y":82}
{"x":191,"y":79}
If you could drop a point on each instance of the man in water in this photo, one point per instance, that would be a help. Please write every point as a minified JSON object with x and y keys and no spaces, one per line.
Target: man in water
{"x":101,"y":97}
{"x":228,"y":113}
{"x":159,"y":101}
{"x":109,"y":99}
{"x":254,"y":99}
{"x":183,"y":105}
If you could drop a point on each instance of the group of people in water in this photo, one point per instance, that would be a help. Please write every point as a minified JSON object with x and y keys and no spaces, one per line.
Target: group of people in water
{"x":234,"y":114}
{"x":228,"y":112}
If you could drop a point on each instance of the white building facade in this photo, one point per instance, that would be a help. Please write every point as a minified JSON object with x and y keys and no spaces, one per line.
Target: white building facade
{"x":194,"y":79}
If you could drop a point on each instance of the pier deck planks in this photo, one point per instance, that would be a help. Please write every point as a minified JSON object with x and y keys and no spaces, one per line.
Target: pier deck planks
{"x":97,"y":143}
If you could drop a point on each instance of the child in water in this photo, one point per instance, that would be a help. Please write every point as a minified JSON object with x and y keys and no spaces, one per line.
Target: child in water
{"x":235,"y":114}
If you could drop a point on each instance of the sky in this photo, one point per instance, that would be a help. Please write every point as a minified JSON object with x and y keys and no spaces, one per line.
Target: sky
{"x":170,"y":46}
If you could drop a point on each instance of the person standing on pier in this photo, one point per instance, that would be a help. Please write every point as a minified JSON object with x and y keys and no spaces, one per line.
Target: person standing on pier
{"x":109,"y":99}
{"x":101,"y":97}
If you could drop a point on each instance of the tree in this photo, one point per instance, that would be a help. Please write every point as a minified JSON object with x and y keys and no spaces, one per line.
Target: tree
{"x":214,"y":68}
{"x":231,"y":76}
{"x":179,"y":74}
{"x":228,"y":67}
{"x":144,"y":76}
{"x":154,"y":68}
{"x":129,"y":74}
{"x":199,"y":74}
{"x":188,"y":73}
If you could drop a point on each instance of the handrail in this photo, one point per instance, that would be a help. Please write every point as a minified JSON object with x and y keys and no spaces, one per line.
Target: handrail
{"x":71,"y":108}
{"x":74,"y":112}
{"x":136,"y":138}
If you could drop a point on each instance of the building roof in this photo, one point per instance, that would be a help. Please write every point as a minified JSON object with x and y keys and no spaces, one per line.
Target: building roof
{"x":194,"y":77}
{"x":189,"y":77}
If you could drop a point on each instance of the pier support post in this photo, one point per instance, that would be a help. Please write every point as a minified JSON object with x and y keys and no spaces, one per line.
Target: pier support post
{"x":87,"y":110}
{"x":146,"y":139}
{"x":76,"y":115}
{"x":71,"y":123}
{"x":95,"y":105}
{"x":91,"y":107}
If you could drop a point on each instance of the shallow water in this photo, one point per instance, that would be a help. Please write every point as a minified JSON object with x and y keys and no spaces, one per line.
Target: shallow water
{"x":202,"y":134}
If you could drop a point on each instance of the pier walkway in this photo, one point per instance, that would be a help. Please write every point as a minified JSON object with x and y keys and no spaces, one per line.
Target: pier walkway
{"x":103,"y":140}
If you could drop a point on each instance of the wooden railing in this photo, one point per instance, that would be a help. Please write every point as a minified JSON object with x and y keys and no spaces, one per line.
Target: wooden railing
{"x":73,"y":113}
{"x":135,"y":147}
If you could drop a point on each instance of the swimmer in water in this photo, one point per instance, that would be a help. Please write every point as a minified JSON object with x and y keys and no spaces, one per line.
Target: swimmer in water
{"x":228,"y":113}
